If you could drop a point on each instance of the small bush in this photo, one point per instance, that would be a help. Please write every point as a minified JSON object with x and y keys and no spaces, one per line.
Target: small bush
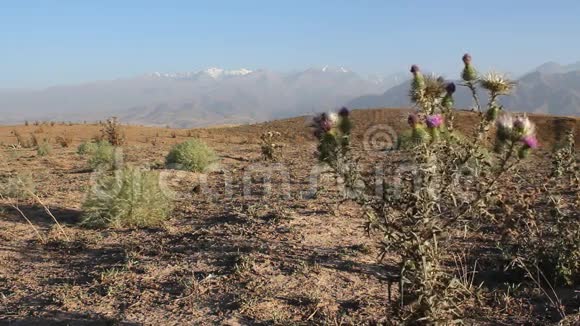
{"x":112,"y":132}
{"x":86,"y":147}
{"x":22,"y":141}
{"x":65,"y":140}
{"x":104,"y":156}
{"x":17,"y":187}
{"x":192,"y":155}
{"x":270,"y":145}
{"x":43,"y":149}
{"x":129,"y":198}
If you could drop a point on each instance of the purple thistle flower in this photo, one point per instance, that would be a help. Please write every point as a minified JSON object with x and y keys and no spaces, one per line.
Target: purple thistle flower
{"x":523,"y":125}
{"x":414,"y":69}
{"x":412,"y":120}
{"x":530,"y":141}
{"x":434,"y":121}
{"x":321,"y":124}
{"x":466,"y":58}
{"x":325,"y":124}
{"x":344,"y":112}
{"x":450,"y":88}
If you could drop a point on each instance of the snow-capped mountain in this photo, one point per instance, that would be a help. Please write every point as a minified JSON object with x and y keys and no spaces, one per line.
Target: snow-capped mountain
{"x":184,"y":99}
{"x":212,"y":72}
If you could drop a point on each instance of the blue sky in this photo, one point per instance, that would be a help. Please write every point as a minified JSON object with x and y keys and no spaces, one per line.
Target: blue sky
{"x":46,"y":43}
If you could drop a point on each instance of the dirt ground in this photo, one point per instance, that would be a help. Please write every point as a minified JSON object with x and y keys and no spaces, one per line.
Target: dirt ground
{"x":269,"y":257}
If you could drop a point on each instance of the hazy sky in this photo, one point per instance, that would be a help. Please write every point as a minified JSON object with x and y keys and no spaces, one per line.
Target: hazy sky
{"x":45,"y":43}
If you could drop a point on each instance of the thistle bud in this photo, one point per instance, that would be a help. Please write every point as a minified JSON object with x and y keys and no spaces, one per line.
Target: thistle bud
{"x":345,"y":126}
{"x":343,"y":112}
{"x":448,"y":101}
{"x":450,"y":88}
{"x":418,"y":83}
{"x":414,"y":69}
{"x":466,"y":58}
{"x":492,"y":113}
{"x":412,"y":120}
{"x":469,"y":73}
{"x":504,"y":126}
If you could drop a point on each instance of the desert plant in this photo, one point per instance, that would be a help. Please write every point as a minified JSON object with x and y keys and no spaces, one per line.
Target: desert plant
{"x":17,"y":187}
{"x":192,"y":155}
{"x":86,"y":147}
{"x":43,"y":149}
{"x":22,"y":141}
{"x":65,"y":140}
{"x":549,"y":242}
{"x":333,"y":132}
{"x":112,"y":132}
{"x":104,"y":156}
{"x":564,"y":159}
{"x":129,"y":198}
{"x":418,"y":216}
{"x":270,"y":145}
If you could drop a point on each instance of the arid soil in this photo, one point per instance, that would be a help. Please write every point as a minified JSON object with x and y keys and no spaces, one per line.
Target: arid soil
{"x":234,"y":252}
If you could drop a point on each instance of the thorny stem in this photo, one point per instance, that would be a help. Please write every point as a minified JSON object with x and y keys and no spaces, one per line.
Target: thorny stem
{"x":473,"y":90}
{"x":481,"y":194}
{"x":480,"y":133}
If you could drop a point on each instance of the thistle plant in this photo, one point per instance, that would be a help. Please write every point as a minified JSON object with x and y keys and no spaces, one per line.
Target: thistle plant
{"x":419,"y":217}
{"x":564,"y":160}
{"x":270,"y":145}
{"x":333,"y":132}
{"x":549,"y":241}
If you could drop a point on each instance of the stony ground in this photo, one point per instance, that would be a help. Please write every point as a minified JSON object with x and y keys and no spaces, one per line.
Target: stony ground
{"x":272,"y":256}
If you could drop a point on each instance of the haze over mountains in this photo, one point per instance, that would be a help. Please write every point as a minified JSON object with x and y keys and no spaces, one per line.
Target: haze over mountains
{"x":551,"y":88}
{"x":217,"y":96}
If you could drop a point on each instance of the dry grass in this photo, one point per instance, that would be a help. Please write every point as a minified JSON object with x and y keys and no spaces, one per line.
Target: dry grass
{"x":223,"y":259}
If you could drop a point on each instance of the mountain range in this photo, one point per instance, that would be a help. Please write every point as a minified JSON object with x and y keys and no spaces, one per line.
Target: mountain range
{"x":217,"y":96}
{"x":212,"y":96}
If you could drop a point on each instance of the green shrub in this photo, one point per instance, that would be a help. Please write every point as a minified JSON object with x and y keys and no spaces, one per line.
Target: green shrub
{"x":18,"y":186}
{"x":192,"y":155}
{"x":129,"y":198}
{"x":43,"y":149}
{"x":104,"y":156}
{"x":86,"y":148}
